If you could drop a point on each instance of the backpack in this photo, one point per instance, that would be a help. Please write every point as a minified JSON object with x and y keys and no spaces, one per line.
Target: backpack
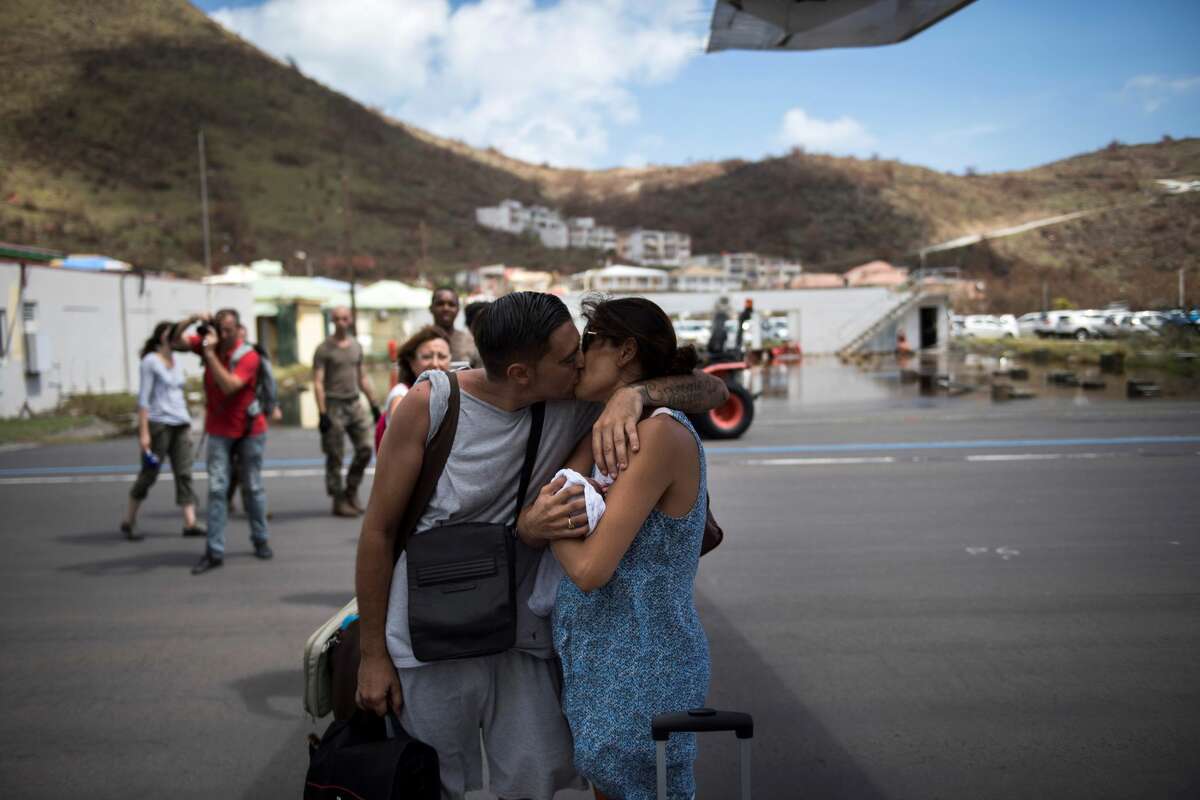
{"x":266,"y":390}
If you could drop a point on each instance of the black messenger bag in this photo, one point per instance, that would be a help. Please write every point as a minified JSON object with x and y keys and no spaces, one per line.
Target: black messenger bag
{"x":462,"y":593}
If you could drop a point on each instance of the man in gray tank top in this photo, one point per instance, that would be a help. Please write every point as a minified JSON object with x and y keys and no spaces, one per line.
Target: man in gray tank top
{"x":530,"y":351}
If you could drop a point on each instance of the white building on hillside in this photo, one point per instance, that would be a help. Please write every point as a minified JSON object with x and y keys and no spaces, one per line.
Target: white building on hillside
{"x":584,"y":233}
{"x":621,"y":278}
{"x":660,"y":248}
{"x":512,"y":216}
{"x":755,"y":270}
{"x":696,"y":278}
{"x":775,"y":273}
{"x":497,"y":280}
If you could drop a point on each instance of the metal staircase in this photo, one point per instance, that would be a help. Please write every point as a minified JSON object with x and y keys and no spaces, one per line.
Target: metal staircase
{"x":891,"y":315}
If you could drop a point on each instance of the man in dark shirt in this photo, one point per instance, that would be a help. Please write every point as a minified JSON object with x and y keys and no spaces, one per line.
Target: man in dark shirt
{"x":444,"y":309}
{"x":338,"y":377}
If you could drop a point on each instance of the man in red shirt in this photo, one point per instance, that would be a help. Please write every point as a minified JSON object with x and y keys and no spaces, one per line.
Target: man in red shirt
{"x":233,"y":421}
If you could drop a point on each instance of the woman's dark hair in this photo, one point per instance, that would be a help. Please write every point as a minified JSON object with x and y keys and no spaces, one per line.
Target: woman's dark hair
{"x":517,"y":327}
{"x":408,"y":351}
{"x":658,"y":352}
{"x":471,"y":312}
{"x":155,"y":340}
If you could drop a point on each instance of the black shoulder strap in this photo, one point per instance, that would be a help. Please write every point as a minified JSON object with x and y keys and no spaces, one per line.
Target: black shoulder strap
{"x":437,"y":451}
{"x":537,"y":417}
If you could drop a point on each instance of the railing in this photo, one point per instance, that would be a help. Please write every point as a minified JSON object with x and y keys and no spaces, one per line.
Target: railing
{"x":872,"y":330}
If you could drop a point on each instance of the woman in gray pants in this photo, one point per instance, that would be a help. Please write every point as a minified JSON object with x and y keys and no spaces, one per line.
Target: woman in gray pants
{"x":164,"y":428}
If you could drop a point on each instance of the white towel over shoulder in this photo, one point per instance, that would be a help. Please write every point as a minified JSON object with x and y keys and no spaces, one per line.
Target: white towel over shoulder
{"x":550,"y":572}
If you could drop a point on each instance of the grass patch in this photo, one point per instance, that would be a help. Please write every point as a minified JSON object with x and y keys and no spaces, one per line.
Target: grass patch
{"x":37,"y":429}
{"x":117,"y":407}
{"x":1168,"y":354}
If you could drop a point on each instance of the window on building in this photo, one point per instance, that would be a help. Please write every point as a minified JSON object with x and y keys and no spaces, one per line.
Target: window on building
{"x":29,"y":317}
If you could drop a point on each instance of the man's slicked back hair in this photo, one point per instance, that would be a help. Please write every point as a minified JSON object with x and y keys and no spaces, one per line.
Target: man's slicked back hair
{"x":517,"y":328}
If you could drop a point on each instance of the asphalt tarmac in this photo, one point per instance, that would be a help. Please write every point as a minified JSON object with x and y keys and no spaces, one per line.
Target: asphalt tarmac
{"x":915,"y":599}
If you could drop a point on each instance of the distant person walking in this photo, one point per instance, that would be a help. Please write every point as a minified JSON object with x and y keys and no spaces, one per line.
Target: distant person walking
{"x":426,"y":349}
{"x":338,"y":377}
{"x":717,"y":335}
{"x":235,"y":422}
{"x":444,"y":309}
{"x":164,"y":428}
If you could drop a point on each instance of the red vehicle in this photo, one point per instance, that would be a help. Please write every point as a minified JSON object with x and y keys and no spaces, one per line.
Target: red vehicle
{"x":731,"y":419}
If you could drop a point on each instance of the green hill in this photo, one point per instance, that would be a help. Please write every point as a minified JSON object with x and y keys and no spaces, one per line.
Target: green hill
{"x":102,"y":104}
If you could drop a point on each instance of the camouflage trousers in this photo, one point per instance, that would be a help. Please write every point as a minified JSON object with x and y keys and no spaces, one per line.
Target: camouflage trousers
{"x":349,"y":418}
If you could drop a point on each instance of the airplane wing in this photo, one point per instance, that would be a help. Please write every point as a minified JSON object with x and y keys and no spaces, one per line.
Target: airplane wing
{"x":820,"y":24}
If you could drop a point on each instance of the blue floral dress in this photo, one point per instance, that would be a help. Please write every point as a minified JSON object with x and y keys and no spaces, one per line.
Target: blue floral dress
{"x":634,"y":649}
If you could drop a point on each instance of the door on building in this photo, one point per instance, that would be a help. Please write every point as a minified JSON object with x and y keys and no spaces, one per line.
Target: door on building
{"x":929,"y":327}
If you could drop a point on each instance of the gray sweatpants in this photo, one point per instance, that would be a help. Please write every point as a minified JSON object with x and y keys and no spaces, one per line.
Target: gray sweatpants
{"x":513,"y":698}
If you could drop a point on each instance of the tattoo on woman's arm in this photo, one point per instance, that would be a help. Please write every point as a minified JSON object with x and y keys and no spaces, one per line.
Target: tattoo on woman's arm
{"x":691,"y":393}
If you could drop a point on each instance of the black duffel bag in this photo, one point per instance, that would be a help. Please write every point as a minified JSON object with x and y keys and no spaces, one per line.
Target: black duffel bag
{"x":371,"y":758}
{"x":462,"y":579}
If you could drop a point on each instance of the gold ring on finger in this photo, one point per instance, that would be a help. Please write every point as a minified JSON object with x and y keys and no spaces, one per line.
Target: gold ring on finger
{"x":570,"y":522}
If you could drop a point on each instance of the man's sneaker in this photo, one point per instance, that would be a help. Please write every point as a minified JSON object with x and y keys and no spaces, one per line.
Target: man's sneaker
{"x":342,"y":508}
{"x":263,"y":550}
{"x":130,"y":533}
{"x":194,"y":530}
{"x":352,"y":500}
{"x":209,"y":560}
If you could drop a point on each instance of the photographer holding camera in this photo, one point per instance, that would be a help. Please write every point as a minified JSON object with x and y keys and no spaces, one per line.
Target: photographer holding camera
{"x":235,"y":422}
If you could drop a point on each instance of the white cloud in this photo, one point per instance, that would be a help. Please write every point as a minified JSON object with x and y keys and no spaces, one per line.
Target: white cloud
{"x":841,"y":136}
{"x":1151,"y":92}
{"x":542,"y":83}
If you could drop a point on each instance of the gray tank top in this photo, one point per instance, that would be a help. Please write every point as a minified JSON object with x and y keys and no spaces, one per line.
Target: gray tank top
{"x":479,"y":484}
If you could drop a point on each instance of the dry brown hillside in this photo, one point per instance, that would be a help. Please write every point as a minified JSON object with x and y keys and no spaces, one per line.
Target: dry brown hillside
{"x":102,"y":103}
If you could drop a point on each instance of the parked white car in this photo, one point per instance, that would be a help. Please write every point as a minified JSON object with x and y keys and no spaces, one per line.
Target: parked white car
{"x":1080,"y":325}
{"x":984,"y":326}
{"x":1048,"y":323}
{"x":1147,"y":322}
{"x":776,"y":329}
{"x":1027,"y":323}
{"x":1116,"y":324}
{"x":692,"y":331}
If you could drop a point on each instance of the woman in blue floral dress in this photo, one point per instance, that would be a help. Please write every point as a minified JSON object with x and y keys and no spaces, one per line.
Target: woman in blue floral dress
{"x":625,"y":623}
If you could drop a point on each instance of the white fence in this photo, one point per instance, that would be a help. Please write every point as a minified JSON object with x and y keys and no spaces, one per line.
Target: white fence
{"x":68,"y":332}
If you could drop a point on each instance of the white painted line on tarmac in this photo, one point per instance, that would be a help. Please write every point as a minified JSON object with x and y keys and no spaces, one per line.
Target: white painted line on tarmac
{"x":47,"y":480}
{"x":1016,"y":457}
{"x":816,"y":462}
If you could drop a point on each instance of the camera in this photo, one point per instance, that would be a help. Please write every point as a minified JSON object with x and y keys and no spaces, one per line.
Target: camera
{"x":202,"y":329}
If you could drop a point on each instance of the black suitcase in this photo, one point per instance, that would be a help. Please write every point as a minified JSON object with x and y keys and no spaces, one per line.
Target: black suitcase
{"x":703,"y":720}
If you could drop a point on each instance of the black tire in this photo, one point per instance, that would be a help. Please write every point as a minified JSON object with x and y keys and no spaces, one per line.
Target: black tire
{"x":1081,"y":335}
{"x":729,"y":421}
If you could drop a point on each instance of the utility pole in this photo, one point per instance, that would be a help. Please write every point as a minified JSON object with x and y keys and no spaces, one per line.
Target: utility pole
{"x":1181,"y":304}
{"x":204,"y":203}
{"x":349,"y":260}
{"x":423,"y":233}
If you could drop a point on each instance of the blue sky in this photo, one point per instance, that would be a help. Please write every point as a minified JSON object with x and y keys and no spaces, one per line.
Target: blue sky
{"x":1003,"y":84}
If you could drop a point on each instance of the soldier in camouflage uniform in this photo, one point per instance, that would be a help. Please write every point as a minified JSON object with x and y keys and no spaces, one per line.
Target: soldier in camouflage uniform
{"x":338,"y":377}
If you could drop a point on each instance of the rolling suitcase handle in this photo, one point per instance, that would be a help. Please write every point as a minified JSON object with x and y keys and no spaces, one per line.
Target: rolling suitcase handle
{"x":702,"y":720}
